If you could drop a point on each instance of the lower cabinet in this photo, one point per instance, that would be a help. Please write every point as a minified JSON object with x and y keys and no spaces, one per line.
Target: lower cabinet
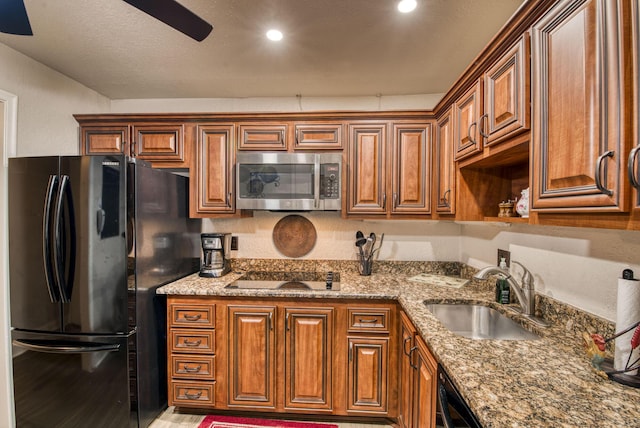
{"x":306,"y":356}
{"x":418,"y":381}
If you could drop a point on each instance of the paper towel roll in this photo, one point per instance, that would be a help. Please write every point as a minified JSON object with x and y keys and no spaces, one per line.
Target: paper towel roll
{"x":628,"y":313}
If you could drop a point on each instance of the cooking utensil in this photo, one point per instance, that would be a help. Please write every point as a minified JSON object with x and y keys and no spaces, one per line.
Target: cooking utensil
{"x":360,"y":242}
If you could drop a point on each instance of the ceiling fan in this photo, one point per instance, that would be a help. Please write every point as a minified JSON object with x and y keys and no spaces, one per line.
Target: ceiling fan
{"x":14,"y":18}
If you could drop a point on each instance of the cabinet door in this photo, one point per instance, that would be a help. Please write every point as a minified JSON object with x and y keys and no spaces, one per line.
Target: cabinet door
{"x":507,"y":89}
{"x":368,"y":360}
{"x":212,"y":183}
{"x":104,"y":140}
{"x":326,"y":136}
{"x":405,"y":411}
{"x":160,"y":144}
{"x":262,"y":136}
{"x":308,"y":358}
{"x":367,"y":169}
{"x":445,"y":174}
{"x":425,"y":387}
{"x":466,"y":113}
{"x":577,"y":147}
{"x":411,"y":168}
{"x":634,"y":165}
{"x":252,"y":356}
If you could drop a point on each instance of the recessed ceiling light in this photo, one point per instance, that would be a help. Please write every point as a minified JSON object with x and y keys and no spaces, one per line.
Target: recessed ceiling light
{"x":406,"y":6}
{"x":274,"y":35}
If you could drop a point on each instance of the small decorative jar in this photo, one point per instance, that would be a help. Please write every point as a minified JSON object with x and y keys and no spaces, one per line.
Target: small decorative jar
{"x":506,"y":209}
{"x":522,"y":207}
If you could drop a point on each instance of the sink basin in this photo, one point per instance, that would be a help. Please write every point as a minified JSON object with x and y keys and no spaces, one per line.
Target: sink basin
{"x":479,"y":322}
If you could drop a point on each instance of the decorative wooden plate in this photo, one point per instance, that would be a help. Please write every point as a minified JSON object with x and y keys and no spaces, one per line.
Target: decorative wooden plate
{"x":294,"y":236}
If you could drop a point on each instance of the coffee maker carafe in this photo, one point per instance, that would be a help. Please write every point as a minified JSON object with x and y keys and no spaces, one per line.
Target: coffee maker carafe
{"x":215,"y":254}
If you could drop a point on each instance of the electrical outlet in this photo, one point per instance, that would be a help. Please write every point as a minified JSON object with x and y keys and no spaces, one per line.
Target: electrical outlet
{"x":234,"y":242}
{"x":506,"y":255}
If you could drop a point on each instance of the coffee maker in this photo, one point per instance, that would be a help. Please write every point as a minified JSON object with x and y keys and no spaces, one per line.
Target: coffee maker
{"x":215,"y":254}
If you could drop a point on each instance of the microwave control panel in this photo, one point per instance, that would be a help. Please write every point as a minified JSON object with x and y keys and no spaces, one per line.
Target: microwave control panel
{"x":330,"y":181}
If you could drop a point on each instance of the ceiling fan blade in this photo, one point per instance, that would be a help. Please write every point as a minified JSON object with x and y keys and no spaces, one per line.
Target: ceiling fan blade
{"x":14,"y":19}
{"x":175,"y":15}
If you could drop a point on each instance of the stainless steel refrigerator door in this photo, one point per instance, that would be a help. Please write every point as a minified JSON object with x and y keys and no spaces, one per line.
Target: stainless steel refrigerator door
{"x":95,"y":201}
{"x":71,"y":381}
{"x":33,"y":183}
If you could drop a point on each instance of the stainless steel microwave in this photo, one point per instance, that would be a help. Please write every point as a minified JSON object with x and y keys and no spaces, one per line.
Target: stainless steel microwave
{"x":289,"y":181}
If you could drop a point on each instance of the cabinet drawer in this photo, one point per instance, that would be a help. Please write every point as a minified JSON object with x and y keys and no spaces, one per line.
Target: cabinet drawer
{"x":201,"y":316}
{"x":193,"y":367}
{"x":193,"y":341}
{"x":193,"y":393}
{"x":369,"y":320}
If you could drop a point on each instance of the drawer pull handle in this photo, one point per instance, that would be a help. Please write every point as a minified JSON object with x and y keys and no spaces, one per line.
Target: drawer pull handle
{"x":194,"y":343}
{"x":192,"y":396}
{"x":195,"y":317}
{"x":367,"y":321}
{"x":195,"y":369}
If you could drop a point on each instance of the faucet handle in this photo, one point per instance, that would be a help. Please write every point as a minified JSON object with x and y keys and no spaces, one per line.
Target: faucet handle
{"x":527,"y":276}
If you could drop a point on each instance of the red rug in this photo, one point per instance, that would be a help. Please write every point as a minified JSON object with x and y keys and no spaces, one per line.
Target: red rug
{"x":218,"y":421}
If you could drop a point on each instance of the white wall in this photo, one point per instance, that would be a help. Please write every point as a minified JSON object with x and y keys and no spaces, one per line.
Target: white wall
{"x":579,"y":266}
{"x":335,"y":238}
{"x":283,"y":104}
{"x":46,"y":103}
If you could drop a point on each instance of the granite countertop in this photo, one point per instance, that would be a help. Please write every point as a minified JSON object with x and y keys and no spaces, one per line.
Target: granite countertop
{"x":541,"y":383}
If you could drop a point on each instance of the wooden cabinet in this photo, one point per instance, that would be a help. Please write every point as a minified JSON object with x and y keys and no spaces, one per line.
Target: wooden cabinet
{"x":578,"y":149}
{"x":211,"y":184}
{"x":445,"y":172}
{"x":191,"y":353}
{"x":371,"y":332}
{"x":633,"y":165}
{"x":252,"y":356}
{"x":163,"y":144}
{"x":467,"y":110}
{"x":308,"y":358}
{"x":389,"y":177}
{"x":411,"y":169}
{"x":418,"y":382}
{"x":507,"y":94}
{"x":367,"y":172}
{"x":263,"y":136}
{"x":406,"y":376}
{"x":425,"y":387}
{"x":318,"y":136}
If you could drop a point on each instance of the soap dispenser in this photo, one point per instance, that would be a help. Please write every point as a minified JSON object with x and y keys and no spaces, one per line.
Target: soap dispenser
{"x":503,"y":285}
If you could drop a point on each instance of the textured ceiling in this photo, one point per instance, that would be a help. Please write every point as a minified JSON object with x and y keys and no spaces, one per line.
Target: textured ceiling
{"x":331,"y":47}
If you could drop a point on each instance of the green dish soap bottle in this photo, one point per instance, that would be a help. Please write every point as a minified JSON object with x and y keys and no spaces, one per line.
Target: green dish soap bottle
{"x":503,"y":285}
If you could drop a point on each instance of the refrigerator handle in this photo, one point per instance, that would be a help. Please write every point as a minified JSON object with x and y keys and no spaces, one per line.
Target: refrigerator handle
{"x":65,"y":348}
{"x":46,"y":239}
{"x":61,"y":265}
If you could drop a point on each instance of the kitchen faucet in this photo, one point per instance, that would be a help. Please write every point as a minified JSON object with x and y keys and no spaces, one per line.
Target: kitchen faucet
{"x":525,"y":293}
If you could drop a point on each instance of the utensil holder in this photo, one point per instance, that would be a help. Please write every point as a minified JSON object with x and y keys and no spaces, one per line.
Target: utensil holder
{"x":364,"y":266}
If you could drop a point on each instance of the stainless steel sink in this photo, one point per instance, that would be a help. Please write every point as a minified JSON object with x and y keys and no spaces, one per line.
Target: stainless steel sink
{"x":478,"y":322}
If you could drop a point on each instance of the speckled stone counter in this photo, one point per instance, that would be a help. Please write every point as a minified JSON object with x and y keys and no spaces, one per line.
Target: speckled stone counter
{"x":541,"y":383}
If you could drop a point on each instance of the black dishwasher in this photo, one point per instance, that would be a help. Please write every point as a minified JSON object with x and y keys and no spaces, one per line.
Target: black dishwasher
{"x":452,"y":411}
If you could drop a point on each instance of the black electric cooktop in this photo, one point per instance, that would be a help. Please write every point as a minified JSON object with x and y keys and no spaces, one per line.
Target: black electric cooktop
{"x":288,"y":280}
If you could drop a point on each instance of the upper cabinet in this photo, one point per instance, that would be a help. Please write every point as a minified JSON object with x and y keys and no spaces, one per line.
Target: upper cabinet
{"x":389,"y":176}
{"x":211,"y":181}
{"x":633,"y":166}
{"x":263,"y":136}
{"x":507,"y":94}
{"x":578,"y":102}
{"x":164,"y":144}
{"x":467,"y":111}
{"x":318,"y":136}
{"x":445,"y":172}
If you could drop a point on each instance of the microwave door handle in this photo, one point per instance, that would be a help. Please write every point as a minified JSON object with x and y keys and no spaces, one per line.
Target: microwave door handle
{"x":316,"y":182}
{"x":46,"y":239}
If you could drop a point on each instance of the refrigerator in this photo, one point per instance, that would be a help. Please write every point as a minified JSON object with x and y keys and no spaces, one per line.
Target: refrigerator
{"x":91,"y":238}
